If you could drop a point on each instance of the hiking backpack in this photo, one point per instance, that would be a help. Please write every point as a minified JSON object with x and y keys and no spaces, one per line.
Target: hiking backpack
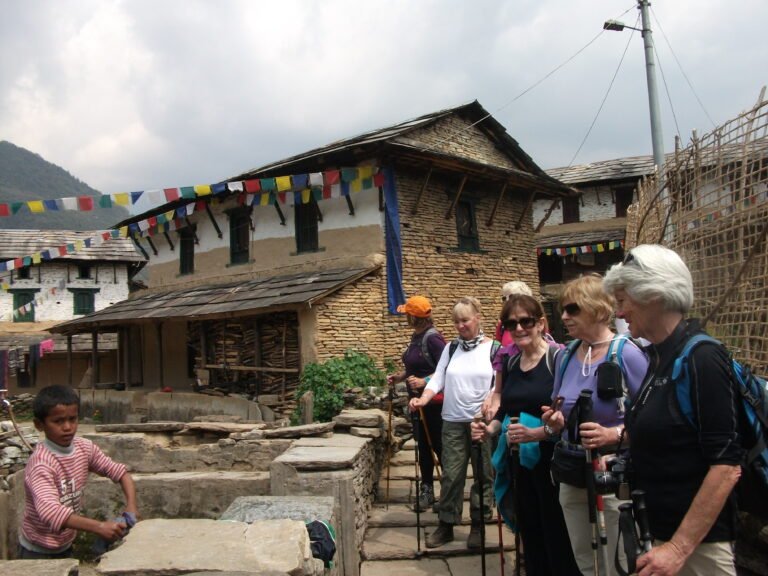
{"x":753,"y":486}
{"x":425,"y":348}
{"x":512,"y":361}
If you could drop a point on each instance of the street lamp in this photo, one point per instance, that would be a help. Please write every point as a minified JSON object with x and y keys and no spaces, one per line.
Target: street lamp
{"x":657,"y":139}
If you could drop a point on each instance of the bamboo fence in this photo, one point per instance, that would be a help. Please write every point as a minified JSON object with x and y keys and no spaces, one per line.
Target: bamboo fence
{"x":712,"y":208}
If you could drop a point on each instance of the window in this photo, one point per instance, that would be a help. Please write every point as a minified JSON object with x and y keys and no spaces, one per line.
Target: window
{"x":186,"y":250}
{"x":24,"y":273}
{"x":306,"y":227}
{"x":624,"y":198}
{"x":83,"y":300}
{"x":466,"y":227}
{"x":22,"y":298}
{"x":83,"y":271}
{"x":239,"y":235}
{"x":571,"y":210}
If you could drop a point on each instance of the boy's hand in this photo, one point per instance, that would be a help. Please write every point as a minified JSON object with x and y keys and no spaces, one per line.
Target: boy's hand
{"x":111,"y":531}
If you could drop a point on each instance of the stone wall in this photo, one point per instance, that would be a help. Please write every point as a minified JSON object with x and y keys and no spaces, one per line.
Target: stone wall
{"x":596,"y":204}
{"x":357,"y":316}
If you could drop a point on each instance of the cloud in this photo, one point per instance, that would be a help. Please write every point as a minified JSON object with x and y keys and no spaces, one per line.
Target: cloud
{"x":145,"y":94}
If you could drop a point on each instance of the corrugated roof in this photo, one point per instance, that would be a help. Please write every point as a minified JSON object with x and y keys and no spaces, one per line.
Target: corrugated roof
{"x":237,"y":299}
{"x":19,"y":243}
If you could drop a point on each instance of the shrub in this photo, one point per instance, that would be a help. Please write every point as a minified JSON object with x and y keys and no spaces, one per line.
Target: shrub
{"x":329,"y":380}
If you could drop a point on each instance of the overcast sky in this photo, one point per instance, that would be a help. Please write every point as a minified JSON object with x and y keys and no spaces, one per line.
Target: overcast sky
{"x":142,"y":94}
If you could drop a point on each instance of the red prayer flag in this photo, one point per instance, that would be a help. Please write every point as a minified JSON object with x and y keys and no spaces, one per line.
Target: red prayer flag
{"x":331,"y":177}
{"x":152,"y":220}
{"x":85,"y":203}
{"x":378,"y":179}
{"x":4,"y":211}
{"x":171,"y":194}
{"x":62,"y":250}
{"x":200,"y":205}
{"x":326,"y":192}
{"x":252,"y":186}
{"x":18,"y":263}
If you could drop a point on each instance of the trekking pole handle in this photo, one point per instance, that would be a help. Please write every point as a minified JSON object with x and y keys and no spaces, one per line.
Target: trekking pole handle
{"x":641,"y":517}
{"x":514,"y":446}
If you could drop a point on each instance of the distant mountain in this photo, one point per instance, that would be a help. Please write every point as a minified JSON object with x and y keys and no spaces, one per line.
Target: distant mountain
{"x":26,"y":176}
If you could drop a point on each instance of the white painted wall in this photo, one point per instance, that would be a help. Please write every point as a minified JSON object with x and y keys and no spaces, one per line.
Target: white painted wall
{"x":596,"y":204}
{"x":112,"y":284}
{"x":267,"y":223}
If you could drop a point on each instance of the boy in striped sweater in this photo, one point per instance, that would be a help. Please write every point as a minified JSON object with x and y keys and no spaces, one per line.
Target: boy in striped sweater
{"x":55,"y":478}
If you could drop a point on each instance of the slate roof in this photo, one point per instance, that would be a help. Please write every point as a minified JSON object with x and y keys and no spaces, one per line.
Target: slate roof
{"x":632,"y":167}
{"x":580,"y":238}
{"x":19,"y":243}
{"x":220,"y":300}
{"x":25,"y":334}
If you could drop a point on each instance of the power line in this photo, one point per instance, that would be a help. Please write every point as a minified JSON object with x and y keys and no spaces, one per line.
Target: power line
{"x":679,"y":65}
{"x":610,"y":86}
{"x":666,"y":90}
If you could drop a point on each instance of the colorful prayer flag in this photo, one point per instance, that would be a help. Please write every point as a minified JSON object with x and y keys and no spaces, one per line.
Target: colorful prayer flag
{"x":283,"y":183}
{"x":35,"y":206}
{"x":85,"y":203}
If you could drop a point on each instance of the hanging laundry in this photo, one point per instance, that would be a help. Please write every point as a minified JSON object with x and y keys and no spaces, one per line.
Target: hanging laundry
{"x":46,"y":347}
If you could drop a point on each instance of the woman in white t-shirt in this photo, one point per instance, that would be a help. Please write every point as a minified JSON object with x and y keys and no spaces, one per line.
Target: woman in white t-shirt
{"x":465,"y":376}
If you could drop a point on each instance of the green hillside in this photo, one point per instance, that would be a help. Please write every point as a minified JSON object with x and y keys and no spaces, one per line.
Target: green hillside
{"x":26,"y":176}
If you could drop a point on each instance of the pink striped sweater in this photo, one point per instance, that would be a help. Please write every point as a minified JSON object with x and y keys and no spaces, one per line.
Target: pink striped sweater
{"x":54,"y":479}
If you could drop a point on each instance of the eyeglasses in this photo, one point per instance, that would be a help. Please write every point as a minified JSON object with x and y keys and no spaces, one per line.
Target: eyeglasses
{"x":526,"y":323}
{"x":505,"y":298}
{"x":629,"y":257}
{"x":572,"y":309}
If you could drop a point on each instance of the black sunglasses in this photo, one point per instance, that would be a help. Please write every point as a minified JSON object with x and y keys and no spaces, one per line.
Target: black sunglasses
{"x":572,"y":309}
{"x":629,"y":257}
{"x":526,"y":323}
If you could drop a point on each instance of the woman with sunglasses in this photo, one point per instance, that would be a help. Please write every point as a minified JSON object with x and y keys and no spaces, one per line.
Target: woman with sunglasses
{"x":586,"y":313}
{"x":528,"y":380}
{"x":688,"y":472}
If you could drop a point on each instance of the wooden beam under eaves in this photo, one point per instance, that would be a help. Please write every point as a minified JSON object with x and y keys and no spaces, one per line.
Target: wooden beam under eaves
{"x":452,"y":207}
{"x":168,"y":238}
{"x":548,"y":213}
{"x":152,"y":245}
{"x":415,"y":208}
{"x":213,"y":220}
{"x":528,"y":205}
{"x":496,"y":205}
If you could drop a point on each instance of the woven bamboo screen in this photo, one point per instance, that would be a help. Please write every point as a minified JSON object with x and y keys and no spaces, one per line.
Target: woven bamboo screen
{"x":713,"y":210}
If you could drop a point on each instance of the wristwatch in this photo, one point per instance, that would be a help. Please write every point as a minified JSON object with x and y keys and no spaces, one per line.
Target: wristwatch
{"x":549,"y":431}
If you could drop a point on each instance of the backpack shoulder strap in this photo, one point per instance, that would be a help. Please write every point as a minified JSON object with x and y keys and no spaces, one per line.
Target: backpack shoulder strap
{"x":425,"y":347}
{"x":452,"y":347}
{"x":495,"y":345}
{"x":511,"y":362}
{"x":551,"y":356}
{"x":568,"y":352}
{"x":681,"y":374}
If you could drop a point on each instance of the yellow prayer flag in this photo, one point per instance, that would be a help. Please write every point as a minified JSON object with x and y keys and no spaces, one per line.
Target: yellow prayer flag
{"x":121,"y":199}
{"x":600,"y":248}
{"x":79,"y":245}
{"x":123,"y":231}
{"x":357,"y":185}
{"x":36,"y":206}
{"x":283,"y":183}
{"x":264,"y":199}
{"x":36,"y":258}
{"x":306,"y":194}
{"x":202,"y":190}
{"x":365,"y":172}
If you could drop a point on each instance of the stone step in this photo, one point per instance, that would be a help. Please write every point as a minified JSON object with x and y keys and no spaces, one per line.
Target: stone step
{"x":403,"y":515}
{"x":407,"y":472}
{"x":432,"y":566}
{"x":399,"y":543}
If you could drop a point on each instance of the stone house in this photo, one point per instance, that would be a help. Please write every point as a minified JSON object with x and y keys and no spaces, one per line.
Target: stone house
{"x":45,"y":287}
{"x":299,"y":260}
{"x":584,"y":233}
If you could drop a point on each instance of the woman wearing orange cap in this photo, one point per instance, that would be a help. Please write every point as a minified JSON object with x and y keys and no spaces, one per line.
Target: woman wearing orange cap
{"x":420,"y":358}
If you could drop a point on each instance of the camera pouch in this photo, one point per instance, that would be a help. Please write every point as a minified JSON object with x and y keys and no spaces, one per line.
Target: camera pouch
{"x":609,"y":381}
{"x":569,"y":465}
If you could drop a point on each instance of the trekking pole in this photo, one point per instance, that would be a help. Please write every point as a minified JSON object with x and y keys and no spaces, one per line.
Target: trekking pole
{"x":641,"y":516}
{"x":600,"y":505}
{"x":415,"y":425}
{"x":480,"y":481}
{"x":428,"y":438}
{"x":389,"y":440}
{"x":514,"y":454}
{"x":627,"y":537}
{"x":584,"y":413}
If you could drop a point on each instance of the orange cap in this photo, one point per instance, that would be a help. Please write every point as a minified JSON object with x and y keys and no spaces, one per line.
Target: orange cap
{"x":416,"y":306}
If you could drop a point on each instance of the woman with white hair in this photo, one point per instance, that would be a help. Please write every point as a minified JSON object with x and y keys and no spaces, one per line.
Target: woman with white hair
{"x":687,"y":471}
{"x":464,"y":375}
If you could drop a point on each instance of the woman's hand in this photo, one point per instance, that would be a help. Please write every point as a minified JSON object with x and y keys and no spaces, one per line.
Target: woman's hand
{"x":553,"y":418}
{"x":395,"y":378}
{"x":415,"y":404}
{"x":595,"y":436}
{"x":415,"y":383}
{"x":491,"y":405}
{"x":664,"y":560}
{"x":519,"y":434}
{"x":479,"y":431}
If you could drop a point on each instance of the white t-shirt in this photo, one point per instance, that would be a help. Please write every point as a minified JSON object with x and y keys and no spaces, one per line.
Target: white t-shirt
{"x":466,"y":382}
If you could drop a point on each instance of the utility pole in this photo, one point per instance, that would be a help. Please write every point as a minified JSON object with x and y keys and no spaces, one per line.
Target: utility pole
{"x":657,"y":138}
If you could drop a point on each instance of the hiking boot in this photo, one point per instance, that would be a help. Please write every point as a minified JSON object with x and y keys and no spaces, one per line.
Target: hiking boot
{"x":475,"y":536}
{"x":442,"y":535}
{"x":426,"y":498}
